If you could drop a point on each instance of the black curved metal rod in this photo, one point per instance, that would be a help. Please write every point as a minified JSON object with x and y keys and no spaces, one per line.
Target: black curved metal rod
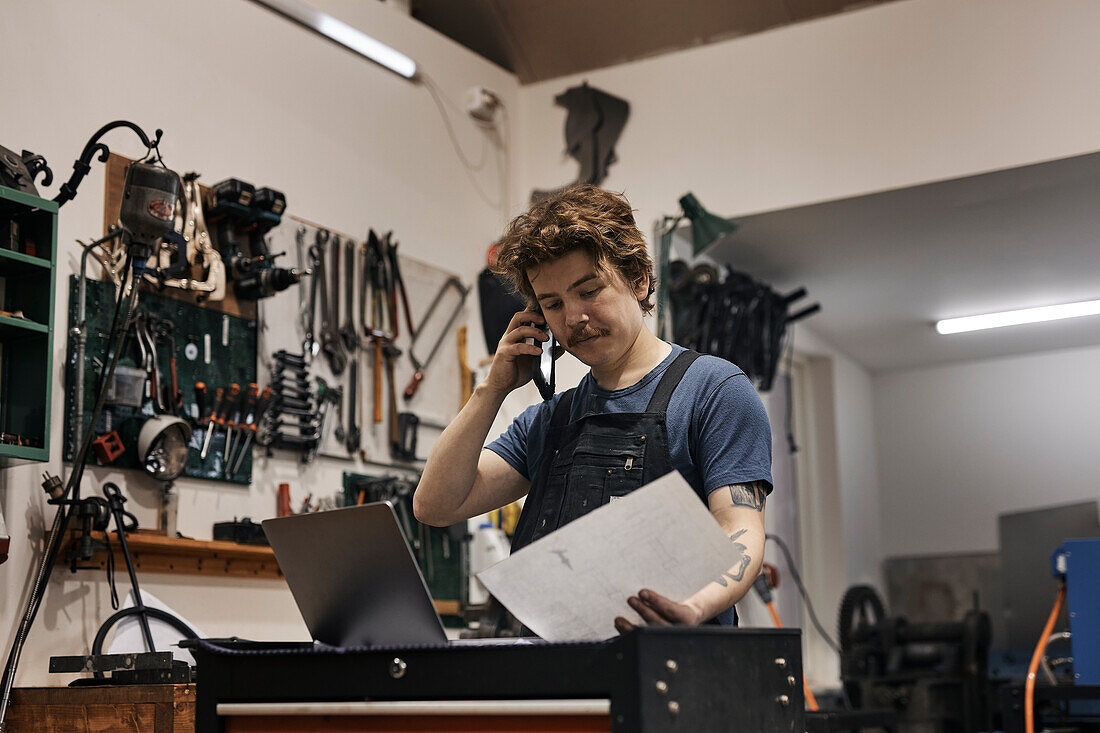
{"x":83,"y":165}
{"x":145,"y":612}
{"x":115,"y":499}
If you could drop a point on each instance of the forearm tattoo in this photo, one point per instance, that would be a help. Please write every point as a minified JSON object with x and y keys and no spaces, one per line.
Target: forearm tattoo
{"x":749,"y":495}
{"x":743,"y":561}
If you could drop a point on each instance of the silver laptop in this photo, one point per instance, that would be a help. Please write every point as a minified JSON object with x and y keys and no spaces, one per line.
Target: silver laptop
{"x":354,"y":577}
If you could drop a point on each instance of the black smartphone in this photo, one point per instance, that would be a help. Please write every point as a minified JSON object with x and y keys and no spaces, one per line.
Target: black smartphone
{"x":542,"y":366}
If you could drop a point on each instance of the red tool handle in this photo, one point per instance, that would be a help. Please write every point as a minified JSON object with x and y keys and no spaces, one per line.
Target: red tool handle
{"x":250,"y":402}
{"x":414,"y":384}
{"x":261,"y":407}
{"x":219,"y":400}
{"x":231,"y":398}
{"x":200,"y":400}
{"x":177,"y":396}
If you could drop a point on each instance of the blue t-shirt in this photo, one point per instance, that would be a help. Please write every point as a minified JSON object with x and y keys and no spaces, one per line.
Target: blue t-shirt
{"x":718,"y":432}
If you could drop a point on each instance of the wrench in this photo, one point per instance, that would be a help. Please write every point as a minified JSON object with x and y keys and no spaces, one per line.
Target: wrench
{"x":330,"y":339}
{"x":307,"y":302}
{"x":347,"y":332}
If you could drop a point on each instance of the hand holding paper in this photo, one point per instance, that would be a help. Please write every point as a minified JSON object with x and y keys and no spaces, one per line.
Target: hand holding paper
{"x":573,"y":583}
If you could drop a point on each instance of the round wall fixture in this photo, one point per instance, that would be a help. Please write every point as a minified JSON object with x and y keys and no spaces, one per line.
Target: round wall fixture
{"x":163,"y":446}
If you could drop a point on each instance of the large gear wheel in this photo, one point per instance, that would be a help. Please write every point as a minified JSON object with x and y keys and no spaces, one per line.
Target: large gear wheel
{"x":860,"y":606}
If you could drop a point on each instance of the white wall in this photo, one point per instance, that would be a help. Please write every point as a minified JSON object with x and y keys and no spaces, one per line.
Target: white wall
{"x":857,"y":476}
{"x":879,"y":98}
{"x":960,"y":444}
{"x":239,"y":92}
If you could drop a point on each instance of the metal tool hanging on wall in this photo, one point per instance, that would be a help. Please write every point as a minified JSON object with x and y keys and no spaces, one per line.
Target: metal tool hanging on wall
{"x":241,"y":211}
{"x":452,"y":283}
{"x":350,"y":335}
{"x":733,"y":316}
{"x":378,"y":311}
{"x":384,"y":297}
{"x":331,"y":345}
{"x":293,"y":420}
{"x":187,"y":247}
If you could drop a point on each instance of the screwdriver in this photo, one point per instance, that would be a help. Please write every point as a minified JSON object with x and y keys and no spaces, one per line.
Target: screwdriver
{"x":240,"y":418}
{"x":231,"y":397}
{"x":200,"y":401}
{"x":219,"y":397}
{"x":254,"y":423}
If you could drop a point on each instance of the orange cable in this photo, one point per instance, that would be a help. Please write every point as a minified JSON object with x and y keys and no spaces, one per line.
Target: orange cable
{"x":1029,"y":687}
{"x":811,"y":701}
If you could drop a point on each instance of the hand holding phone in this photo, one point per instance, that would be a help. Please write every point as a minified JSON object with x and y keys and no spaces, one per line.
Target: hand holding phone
{"x":542,"y":367}
{"x":516,"y":363}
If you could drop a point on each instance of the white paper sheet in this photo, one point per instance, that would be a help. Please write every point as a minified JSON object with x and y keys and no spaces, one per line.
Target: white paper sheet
{"x":571,"y":584}
{"x":128,"y":636}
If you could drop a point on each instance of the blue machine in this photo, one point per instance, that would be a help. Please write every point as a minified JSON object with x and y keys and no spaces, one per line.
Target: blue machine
{"x":1079,"y":562}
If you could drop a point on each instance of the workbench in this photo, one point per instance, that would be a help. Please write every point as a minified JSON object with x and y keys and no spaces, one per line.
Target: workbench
{"x":652,"y":680}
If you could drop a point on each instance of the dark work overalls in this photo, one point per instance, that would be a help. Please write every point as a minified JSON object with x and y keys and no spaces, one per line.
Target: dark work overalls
{"x":599,"y":457}
{"x":587,"y":463}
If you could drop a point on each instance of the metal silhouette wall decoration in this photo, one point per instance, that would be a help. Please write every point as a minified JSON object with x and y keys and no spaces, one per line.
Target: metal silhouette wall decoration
{"x":593,"y":124}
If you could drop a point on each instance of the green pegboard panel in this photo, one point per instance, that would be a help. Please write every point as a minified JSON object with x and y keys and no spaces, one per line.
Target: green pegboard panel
{"x":211,"y":347}
{"x":443,"y":560}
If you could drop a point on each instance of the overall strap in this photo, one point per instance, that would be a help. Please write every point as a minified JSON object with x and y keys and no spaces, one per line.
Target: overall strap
{"x":670,"y":380}
{"x":560,"y":418}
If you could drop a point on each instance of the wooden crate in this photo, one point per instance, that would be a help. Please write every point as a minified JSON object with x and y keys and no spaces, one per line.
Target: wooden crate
{"x":122,"y":708}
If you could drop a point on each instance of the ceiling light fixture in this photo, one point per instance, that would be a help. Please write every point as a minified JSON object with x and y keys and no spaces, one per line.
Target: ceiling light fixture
{"x":1018,"y":317}
{"x":343,"y":34}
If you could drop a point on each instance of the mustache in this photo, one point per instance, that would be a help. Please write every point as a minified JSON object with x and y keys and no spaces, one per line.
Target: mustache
{"x":584,"y":334}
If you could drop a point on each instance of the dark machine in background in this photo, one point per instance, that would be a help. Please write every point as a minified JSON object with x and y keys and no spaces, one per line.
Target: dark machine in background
{"x":938,"y":664}
{"x":933,"y":676}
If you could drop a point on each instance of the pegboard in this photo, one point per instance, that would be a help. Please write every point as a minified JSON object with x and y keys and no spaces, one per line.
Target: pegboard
{"x":438,"y":399}
{"x":441,"y":555}
{"x":215,"y":348}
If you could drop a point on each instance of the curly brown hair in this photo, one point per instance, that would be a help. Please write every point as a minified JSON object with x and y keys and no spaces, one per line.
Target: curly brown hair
{"x":587,"y":216}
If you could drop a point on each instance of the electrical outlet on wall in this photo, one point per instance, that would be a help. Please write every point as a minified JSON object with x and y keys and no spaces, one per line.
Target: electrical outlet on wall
{"x":482,"y":104}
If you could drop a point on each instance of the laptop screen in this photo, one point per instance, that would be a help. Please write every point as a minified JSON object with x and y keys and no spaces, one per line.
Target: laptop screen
{"x":354,"y":577}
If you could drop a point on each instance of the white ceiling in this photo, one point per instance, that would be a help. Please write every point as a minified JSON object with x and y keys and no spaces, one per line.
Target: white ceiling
{"x":885,"y":266}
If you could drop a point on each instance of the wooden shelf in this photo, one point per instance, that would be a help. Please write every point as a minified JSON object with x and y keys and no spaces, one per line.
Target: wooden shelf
{"x":155,"y":553}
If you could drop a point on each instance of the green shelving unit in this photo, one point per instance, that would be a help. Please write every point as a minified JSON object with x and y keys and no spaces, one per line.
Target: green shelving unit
{"x":28,"y":256}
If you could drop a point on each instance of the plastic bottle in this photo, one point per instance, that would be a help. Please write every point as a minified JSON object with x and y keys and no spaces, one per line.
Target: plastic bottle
{"x":488,"y":547}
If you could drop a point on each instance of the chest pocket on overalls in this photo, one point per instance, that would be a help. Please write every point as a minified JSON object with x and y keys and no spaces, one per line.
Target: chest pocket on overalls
{"x":601,"y":467}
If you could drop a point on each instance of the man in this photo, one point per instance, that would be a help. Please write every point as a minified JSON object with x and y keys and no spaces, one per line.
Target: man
{"x":645,"y":408}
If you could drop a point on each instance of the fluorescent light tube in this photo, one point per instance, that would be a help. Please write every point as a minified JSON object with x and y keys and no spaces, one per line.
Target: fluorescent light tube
{"x":1017,"y":317}
{"x":342,"y":33}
